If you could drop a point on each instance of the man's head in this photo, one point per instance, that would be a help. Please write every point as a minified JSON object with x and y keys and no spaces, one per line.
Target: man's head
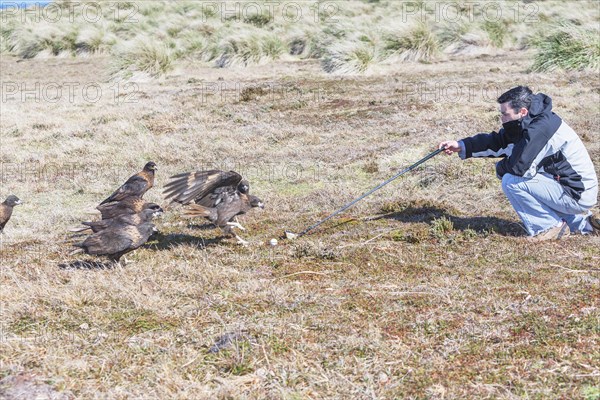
{"x":515,"y":103}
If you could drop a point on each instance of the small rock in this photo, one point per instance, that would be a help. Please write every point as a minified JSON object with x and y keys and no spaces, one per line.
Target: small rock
{"x":383,"y":378}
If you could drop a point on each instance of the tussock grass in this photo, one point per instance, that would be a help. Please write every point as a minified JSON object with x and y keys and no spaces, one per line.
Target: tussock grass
{"x":568,"y":47}
{"x":247,"y":34}
{"x":419,"y":43}
{"x":350,"y":57}
{"x":497,"y":32}
{"x":144,"y":55}
{"x":94,"y":40}
{"x":51,"y":40}
{"x":243,"y":48}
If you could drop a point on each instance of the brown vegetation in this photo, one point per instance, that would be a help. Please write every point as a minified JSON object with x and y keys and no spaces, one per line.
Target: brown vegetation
{"x":426,"y":289}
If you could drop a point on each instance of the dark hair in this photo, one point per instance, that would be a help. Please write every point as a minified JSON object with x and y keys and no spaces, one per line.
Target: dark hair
{"x":518,"y":97}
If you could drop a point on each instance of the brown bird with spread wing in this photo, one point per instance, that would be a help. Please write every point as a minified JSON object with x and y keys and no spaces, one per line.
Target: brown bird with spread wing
{"x":217,"y":195}
{"x":6,"y":209}
{"x":135,"y":186}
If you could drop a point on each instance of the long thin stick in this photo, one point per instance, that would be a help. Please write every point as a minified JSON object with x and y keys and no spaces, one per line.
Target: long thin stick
{"x":421,"y":161}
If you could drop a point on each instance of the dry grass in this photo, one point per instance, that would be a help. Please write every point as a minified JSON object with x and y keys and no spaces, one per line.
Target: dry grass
{"x":425,"y":289}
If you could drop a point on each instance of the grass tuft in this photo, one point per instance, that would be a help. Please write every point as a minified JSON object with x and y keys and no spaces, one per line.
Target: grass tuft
{"x":440,"y":227}
{"x":349,"y":57}
{"x":249,"y":49}
{"x":417,"y":44}
{"x":145,"y":55}
{"x":497,"y":32}
{"x":569,"y":47}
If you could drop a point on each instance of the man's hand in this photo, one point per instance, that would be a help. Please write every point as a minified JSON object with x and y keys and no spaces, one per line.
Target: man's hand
{"x":451,"y":146}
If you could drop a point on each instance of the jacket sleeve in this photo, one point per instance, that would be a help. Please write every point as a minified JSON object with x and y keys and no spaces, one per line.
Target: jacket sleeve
{"x":495,"y":144}
{"x":527,"y":151}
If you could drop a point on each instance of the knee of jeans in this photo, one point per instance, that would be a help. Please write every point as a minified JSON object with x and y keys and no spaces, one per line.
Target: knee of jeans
{"x":508,"y":181}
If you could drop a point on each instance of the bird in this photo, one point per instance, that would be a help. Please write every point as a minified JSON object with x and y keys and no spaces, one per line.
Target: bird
{"x":139,"y":218}
{"x":116,"y":240}
{"x":136,"y":185}
{"x":130,"y":205}
{"x":6,"y":209}
{"x":217,"y":195}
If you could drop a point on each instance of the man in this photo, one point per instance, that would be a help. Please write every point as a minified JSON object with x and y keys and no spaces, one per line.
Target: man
{"x":547,"y":174}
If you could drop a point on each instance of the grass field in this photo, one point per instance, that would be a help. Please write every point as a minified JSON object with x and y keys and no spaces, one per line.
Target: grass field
{"x":424,"y":290}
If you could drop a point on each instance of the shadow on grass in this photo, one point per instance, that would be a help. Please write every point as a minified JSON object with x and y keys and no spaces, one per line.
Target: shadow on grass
{"x":160,"y":241}
{"x":426,"y":214}
{"x":202,"y":227}
{"x":88,"y":264}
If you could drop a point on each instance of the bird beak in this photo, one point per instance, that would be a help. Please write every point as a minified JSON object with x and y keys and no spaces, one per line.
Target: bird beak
{"x":19,"y":202}
{"x":261,"y":205}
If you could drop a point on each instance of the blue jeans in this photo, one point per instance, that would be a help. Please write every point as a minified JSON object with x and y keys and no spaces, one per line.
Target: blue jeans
{"x":542,"y":204}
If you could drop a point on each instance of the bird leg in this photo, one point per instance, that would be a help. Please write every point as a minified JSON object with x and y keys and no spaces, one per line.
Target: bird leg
{"x":241,"y":241}
{"x":228,"y":230}
{"x":119,"y":262}
{"x":236,"y":225}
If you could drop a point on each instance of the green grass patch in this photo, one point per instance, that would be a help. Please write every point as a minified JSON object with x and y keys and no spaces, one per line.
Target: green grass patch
{"x":569,"y":47}
{"x":135,"y":321}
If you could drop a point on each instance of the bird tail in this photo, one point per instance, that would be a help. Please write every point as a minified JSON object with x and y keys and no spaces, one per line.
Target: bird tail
{"x":79,"y":229}
{"x":77,"y":251}
{"x":196,"y":210}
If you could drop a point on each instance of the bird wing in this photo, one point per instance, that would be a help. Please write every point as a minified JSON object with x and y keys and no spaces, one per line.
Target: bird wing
{"x":184,"y":188}
{"x":135,"y":186}
{"x":5,"y":213}
{"x":122,"y":219}
{"x":129,"y":205}
{"x":218,"y":196}
{"x":108,"y":241}
{"x":97,"y":226}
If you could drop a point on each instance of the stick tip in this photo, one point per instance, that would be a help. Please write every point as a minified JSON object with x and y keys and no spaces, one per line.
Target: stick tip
{"x":290,"y":235}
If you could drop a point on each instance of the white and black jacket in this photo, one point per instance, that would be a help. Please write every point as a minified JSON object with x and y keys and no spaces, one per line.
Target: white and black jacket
{"x":539,"y":143}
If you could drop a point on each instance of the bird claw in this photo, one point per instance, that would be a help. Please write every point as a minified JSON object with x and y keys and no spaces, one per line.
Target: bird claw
{"x":120,"y":263}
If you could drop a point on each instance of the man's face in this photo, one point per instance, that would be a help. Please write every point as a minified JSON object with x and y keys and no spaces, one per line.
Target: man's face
{"x":507,"y":113}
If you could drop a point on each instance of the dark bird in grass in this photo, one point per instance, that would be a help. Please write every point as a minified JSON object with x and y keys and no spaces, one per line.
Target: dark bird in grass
{"x":116,"y":241}
{"x":142,"y":217}
{"x":131,"y":205}
{"x":136,"y":185}
{"x":216,"y":195}
{"x":6,"y":209}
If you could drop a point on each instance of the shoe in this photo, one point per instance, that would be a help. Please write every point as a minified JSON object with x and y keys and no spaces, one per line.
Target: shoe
{"x":595,"y":224}
{"x":556,"y":233}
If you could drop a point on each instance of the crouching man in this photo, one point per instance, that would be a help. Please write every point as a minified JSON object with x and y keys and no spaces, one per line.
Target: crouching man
{"x":547,"y":174}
